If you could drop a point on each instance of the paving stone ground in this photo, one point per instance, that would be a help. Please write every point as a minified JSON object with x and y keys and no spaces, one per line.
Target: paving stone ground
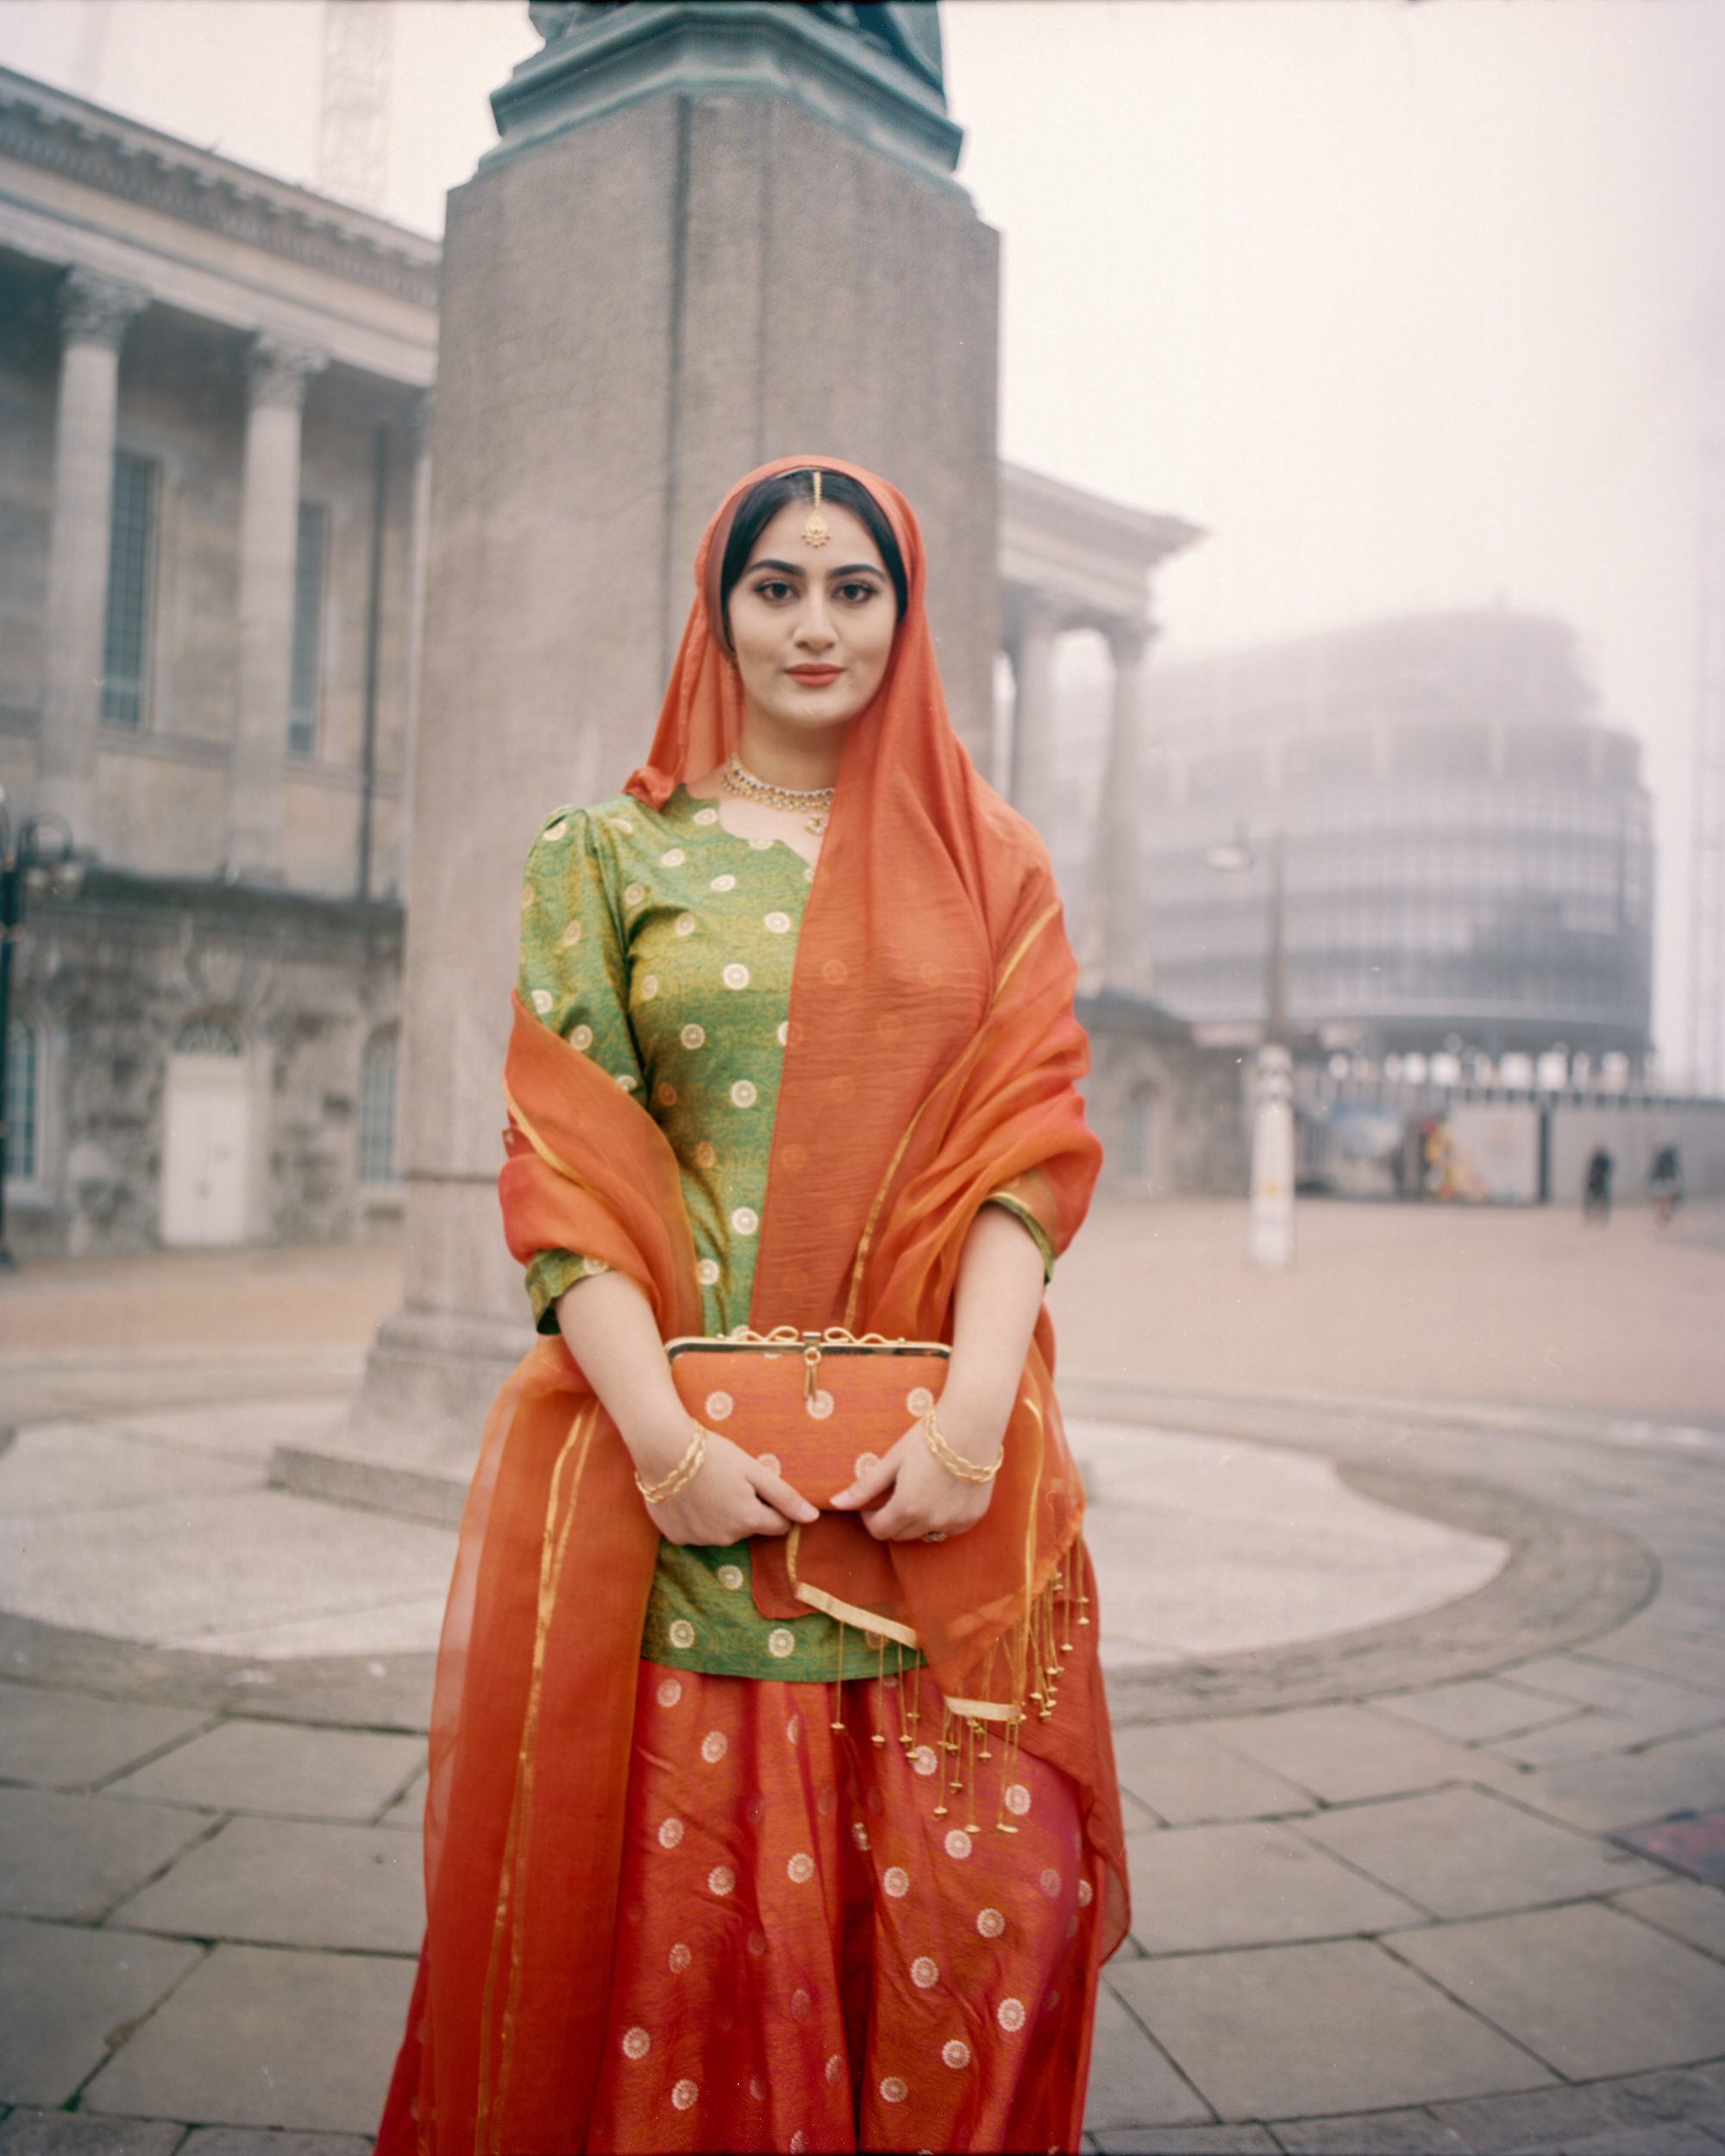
{"x":1378,"y":1904}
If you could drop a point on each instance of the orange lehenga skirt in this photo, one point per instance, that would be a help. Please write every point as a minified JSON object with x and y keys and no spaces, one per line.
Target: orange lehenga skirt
{"x":823,"y":1944}
{"x":671,"y":1911}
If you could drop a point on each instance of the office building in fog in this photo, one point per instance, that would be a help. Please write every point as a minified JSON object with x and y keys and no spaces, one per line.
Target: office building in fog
{"x":1466,"y":845}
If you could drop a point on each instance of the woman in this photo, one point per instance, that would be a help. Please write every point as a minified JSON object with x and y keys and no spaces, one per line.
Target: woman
{"x":692,"y":1883}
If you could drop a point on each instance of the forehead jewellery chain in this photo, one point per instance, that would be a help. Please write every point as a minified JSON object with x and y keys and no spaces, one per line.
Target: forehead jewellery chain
{"x":815,"y":531}
{"x":816,"y":801}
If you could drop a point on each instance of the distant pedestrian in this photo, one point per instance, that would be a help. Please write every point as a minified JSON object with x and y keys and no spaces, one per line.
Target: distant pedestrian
{"x":1596,"y":1194}
{"x":1664,"y":1184}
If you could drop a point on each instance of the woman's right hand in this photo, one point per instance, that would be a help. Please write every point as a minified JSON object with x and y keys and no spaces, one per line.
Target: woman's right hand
{"x":732,"y":1497}
{"x":609,"y":1325}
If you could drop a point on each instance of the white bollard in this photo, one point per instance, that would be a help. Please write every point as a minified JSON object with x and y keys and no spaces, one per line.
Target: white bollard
{"x":1270,"y":1217}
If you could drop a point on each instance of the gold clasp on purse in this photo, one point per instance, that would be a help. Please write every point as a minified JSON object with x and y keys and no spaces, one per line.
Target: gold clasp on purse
{"x":810,"y":1364}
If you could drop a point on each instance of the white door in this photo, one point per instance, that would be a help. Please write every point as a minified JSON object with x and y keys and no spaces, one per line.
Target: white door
{"x":207,"y":1153}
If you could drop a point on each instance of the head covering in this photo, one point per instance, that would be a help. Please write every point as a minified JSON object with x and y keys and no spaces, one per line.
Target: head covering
{"x":925,"y":879}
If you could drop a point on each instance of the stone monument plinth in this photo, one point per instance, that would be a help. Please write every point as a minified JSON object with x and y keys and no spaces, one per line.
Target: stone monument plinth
{"x":709,"y":234}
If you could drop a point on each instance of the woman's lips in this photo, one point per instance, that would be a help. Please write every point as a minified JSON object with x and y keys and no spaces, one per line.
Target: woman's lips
{"x":816,"y":677}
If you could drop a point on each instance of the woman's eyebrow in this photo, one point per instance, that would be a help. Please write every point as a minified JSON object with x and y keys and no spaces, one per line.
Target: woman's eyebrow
{"x":793,"y":568}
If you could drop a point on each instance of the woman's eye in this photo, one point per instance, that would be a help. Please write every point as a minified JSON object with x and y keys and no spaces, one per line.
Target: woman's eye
{"x":772,"y":587}
{"x":855,"y":594}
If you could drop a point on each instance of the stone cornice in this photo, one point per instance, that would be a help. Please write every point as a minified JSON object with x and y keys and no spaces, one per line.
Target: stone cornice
{"x":132,"y":892}
{"x":1078,"y":559}
{"x":1050,"y":505}
{"x":62,"y":134}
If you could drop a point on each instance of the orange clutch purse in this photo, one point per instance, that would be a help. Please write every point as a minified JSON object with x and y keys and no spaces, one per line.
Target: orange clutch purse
{"x":818,"y":1408}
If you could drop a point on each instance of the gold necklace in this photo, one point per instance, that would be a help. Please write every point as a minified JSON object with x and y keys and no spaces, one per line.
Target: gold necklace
{"x":816,"y":800}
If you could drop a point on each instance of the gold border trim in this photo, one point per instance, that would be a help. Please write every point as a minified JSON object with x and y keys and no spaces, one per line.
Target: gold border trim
{"x":554,"y":1549}
{"x":858,"y":1620}
{"x":846,"y":1613}
{"x":983,"y":1710}
{"x":721,"y":1343}
{"x":1030,"y":935}
{"x":866,"y":1242}
{"x":518,"y":1117}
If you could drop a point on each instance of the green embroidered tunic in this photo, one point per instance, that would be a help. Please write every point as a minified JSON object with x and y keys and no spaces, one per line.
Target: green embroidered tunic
{"x":662,"y":946}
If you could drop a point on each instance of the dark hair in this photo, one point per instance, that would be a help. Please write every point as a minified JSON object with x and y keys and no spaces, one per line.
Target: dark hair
{"x":763,"y":502}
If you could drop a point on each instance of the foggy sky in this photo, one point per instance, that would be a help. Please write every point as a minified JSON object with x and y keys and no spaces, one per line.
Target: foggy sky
{"x":1403,"y":303}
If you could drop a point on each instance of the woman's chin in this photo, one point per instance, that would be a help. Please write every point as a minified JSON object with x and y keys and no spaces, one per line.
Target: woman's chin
{"x":812,"y":711}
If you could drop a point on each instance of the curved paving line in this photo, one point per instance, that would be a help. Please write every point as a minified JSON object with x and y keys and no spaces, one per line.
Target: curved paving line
{"x":341,"y":1691}
{"x":1566,"y":1579}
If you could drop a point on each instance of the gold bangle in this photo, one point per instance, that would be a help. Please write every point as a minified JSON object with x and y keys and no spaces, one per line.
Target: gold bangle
{"x":955,"y":1462}
{"x":681,"y":1475}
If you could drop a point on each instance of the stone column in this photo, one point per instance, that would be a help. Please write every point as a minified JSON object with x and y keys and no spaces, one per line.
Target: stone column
{"x":1117,"y":898}
{"x":419,"y":514}
{"x":276,"y":375}
{"x":1031,"y":651}
{"x":95,"y":312}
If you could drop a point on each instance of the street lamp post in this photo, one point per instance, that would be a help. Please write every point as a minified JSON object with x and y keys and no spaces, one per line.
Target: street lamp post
{"x":1269,"y":1214}
{"x":41,"y":862}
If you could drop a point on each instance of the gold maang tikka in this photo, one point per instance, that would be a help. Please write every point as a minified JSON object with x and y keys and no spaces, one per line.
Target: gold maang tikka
{"x":815,"y":530}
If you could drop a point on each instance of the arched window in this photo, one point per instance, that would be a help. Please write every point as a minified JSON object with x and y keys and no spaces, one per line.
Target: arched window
{"x":377,"y":1107}
{"x":24,"y":1094}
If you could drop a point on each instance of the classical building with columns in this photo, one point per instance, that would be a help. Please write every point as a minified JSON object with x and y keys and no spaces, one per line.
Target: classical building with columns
{"x":1070,"y":561}
{"x":212,"y":485}
{"x":1168,"y":1108}
{"x":214,"y":481}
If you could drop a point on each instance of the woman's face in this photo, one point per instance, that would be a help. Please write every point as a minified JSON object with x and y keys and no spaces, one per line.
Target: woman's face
{"x":811,"y":627}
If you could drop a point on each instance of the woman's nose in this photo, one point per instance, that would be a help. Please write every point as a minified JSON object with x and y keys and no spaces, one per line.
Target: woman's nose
{"x":816,"y":628}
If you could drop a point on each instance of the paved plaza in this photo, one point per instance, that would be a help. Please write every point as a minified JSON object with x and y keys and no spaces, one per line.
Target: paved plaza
{"x":1414,"y":1615}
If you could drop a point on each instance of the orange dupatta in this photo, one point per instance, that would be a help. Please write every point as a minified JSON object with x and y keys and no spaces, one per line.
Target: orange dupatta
{"x":931,"y":1024}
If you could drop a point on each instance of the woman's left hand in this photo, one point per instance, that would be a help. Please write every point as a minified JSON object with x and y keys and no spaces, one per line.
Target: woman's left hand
{"x":923,"y":1497}
{"x":994,"y":1306}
